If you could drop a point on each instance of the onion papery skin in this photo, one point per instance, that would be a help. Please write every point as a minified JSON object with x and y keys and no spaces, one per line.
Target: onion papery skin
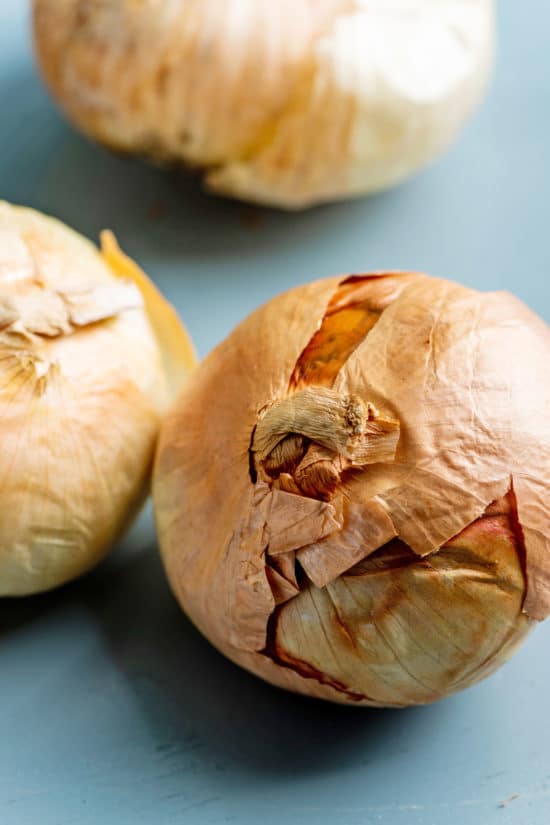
{"x":352,"y":494}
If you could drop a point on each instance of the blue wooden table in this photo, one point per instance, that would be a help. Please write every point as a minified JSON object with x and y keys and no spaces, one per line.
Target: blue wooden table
{"x":113,"y":709}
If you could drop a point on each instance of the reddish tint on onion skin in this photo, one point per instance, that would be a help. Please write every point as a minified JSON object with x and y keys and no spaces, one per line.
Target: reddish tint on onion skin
{"x":397,"y":618}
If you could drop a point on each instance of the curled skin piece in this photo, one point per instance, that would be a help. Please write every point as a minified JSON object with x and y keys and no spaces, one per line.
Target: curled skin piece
{"x":352,"y":495}
{"x":286,"y":103}
{"x":91,"y":356}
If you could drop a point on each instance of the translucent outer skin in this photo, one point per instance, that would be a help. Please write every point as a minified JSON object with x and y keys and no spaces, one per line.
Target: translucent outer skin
{"x":418,"y":571}
{"x":287,"y":103}
{"x":83,"y":386}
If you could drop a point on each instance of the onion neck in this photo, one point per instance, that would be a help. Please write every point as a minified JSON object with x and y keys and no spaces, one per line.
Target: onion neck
{"x":316,"y":434}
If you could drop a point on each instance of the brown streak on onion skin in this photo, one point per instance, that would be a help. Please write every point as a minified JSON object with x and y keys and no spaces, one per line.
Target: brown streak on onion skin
{"x":512,"y":503}
{"x":274,"y":652}
{"x":251,"y":460}
{"x":348,"y":319}
{"x":498,"y":524}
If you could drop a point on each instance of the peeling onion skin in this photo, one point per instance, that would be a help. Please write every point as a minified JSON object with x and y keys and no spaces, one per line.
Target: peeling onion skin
{"x":290,"y":103}
{"x":394,"y":546}
{"x":84,"y":384}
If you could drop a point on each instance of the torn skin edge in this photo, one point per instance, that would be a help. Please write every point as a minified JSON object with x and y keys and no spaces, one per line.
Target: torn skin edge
{"x":534,"y":545}
{"x":301,"y":668}
{"x":282,"y":589}
{"x":46,"y":313}
{"x":366,"y":529}
{"x":350,"y":314}
{"x":312,"y":519}
{"x":505,"y":505}
{"x":520,"y":539}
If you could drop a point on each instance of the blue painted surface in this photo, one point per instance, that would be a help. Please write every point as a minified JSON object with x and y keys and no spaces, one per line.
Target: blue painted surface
{"x":113,"y":709}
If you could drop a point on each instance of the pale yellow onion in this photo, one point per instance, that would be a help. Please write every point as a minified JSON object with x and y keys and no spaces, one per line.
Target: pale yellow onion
{"x":88,"y":349}
{"x":289,"y":103}
{"x":352,"y":495}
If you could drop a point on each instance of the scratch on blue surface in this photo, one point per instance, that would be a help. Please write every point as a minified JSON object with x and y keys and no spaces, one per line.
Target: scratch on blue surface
{"x":176,"y":795}
{"x":201,"y":804}
{"x":409,"y":807}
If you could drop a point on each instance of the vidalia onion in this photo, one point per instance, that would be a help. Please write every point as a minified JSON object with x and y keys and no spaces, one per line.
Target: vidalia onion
{"x":352,"y":495}
{"x":288,"y":103}
{"x":90,"y":358}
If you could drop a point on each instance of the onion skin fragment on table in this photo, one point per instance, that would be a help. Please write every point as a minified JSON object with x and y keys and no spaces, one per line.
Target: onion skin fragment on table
{"x":352,"y":494}
{"x":91,"y":357}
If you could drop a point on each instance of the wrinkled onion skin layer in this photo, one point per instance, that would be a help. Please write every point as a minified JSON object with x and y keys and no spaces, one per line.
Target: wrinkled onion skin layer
{"x":406,"y":630}
{"x":397,"y":622}
{"x":399,"y":627}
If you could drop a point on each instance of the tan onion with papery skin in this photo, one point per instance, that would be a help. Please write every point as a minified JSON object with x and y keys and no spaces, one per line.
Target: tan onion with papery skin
{"x":352,"y":494}
{"x":91,"y":356}
{"x":287,"y":103}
